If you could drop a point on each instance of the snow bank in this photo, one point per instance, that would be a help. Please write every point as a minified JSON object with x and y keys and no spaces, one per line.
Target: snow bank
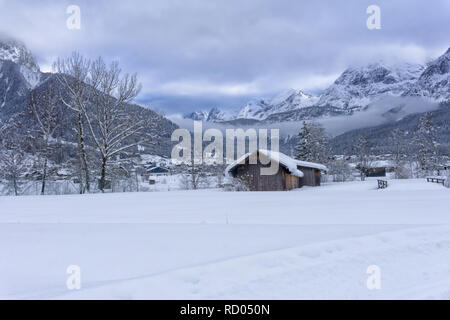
{"x":209,"y":244}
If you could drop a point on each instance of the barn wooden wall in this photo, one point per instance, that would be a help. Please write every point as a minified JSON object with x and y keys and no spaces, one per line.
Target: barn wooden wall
{"x":250,"y":175}
{"x":311,"y":176}
{"x":291,"y":181}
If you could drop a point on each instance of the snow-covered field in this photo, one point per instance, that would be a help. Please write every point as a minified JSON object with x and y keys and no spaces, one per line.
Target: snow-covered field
{"x":307,"y":243}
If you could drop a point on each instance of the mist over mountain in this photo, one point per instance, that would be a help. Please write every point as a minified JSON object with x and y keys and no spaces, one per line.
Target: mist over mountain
{"x":355,"y":90}
{"x":373,"y":98}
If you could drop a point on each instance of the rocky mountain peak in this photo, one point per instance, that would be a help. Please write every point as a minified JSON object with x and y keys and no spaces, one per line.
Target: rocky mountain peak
{"x":17,"y":52}
{"x":435,"y":80}
{"x":357,"y":85}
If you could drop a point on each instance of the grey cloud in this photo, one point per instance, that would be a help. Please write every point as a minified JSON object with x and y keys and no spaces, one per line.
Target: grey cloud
{"x":236,"y":49}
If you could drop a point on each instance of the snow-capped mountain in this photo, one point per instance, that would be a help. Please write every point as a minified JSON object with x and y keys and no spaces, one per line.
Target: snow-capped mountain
{"x":216,"y":115}
{"x":255,"y":109}
{"x":19,"y":73}
{"x":357,"y":87}
{"x":16,"y":52}
{"x":292,"y":99}
{"x":13,"y":86}
{"x":197,"y":115}
{"x":435,"y":80}
{"x":354,"y":90}
{"x":261,"y":109}
{"x":288,"y":100}
{"x":213,"y":115}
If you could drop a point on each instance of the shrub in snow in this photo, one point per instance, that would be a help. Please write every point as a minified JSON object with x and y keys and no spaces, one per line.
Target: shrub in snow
{"x":233,"y":184}
{"x":402,"y":172}
{"x":340,"y":171}
{"x":185,"y":182}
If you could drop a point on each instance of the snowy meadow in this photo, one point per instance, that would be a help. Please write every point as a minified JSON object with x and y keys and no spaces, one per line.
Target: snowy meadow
{"x":209,"y":244}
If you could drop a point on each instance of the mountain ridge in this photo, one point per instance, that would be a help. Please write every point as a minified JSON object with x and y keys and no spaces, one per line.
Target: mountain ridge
{"x":355,"y":90}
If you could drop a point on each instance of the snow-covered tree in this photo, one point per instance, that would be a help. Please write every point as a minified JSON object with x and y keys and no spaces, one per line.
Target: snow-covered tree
{"x":425,"y":145}
{"x":72,"y":73}
{"x":7,"y":124}
{"x":362,"y":151}
{"x":197,"y":175}
{"x":398,"y":149}
{"x":303,"y":150}
{"x":12,"y":156}
{"x":13,"y":168}
{"x":44,"y":107}
{"x":111,"y":126}
{"x":313,"y":143}
{"x":340,"y":170}
{"x":3,"y":127}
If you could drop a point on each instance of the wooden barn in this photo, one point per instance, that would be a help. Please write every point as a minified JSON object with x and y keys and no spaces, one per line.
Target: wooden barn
{"x":291,"y":173}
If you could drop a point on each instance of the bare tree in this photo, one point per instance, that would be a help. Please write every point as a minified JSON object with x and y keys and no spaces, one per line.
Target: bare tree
{"x":110,"y":123}
{"x":12,"y":165}
{"x":12,"y":168}
{"x":72,"y":74}
{"x":362,"y":149}
{"x":3,"y":126}
{"x":195,"y":177}
{"x":45,"y":110}
{"x":398,"y":148}
{"x":340,"y":170}
{"x":7,"y":124}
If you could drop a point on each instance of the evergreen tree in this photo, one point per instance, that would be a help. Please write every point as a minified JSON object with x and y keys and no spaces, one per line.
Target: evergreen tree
{"x":303,"y":151}
{"x":425,"y":145}
{"x":320,"y":146}
{"x":313,"y":145}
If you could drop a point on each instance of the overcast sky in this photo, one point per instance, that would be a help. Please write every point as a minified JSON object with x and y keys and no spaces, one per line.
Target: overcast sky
{"x":195,"y":54}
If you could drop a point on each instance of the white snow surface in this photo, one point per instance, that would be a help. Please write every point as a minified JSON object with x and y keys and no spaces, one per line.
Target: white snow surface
{"x":309,"y":243}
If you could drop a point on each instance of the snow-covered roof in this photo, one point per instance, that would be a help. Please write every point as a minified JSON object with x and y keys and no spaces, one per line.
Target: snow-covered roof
{"x":286,"y":161}
{"x":281,"y":158}
{"x":381,"y":164}
{"x":157,"y":169}
{"x":317,"y":166}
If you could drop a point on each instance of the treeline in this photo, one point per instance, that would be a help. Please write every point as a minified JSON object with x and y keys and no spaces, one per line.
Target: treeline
{"x":412,"y":154}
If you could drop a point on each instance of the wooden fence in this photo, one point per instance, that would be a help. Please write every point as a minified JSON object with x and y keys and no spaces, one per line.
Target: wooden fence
{"x":436,"y":180}
{"x":382,"y":184}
